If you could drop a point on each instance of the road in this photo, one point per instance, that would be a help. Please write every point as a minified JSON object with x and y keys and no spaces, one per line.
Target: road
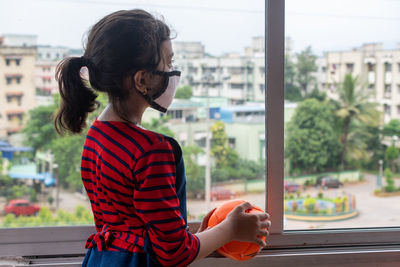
{"x":373,"y":211}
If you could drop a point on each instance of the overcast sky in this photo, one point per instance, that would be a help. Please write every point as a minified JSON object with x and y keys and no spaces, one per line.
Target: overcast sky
{"x":222,"y":25}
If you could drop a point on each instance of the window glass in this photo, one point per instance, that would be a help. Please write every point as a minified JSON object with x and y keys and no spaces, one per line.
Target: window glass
{"x":219,"y":47}
{"x":342,"y":122}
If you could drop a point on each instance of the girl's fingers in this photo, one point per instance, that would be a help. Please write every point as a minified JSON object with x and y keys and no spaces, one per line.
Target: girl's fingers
{"x":263,"y":216}
{"x":263,"y":233}
{"x":243,"y":207}
{"x":265,"y":224}
{"x":260,"y":242}
{"x":204,"y":222}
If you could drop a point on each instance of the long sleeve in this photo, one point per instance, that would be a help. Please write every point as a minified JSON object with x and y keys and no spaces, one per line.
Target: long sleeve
{"x":157,"y":204}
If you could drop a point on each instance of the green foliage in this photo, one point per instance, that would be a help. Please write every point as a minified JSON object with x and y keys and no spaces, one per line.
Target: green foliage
{"x":50,"y":199}
{"x":39,"y":130}
{"x":309,"y":204}
{"x":184,"y":92}
{"x":223,"y":154}
{"x":355,"y":110}
{"x":306,"y":65}
{"x":391,"y":153}
{"x":194,"y":173}
{"x":312,"y":143}
{"x":81,"y":216}
{"x":17,"y":191}
{"x":159,"y":126}
{"x":292,"y":91}
{"x":67,"y":151}
{"x":390,"y":185}
{"x":392,"y":128}
{"x":319,"y":95}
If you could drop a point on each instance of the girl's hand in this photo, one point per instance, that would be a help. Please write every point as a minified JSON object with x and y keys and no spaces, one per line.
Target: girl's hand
{"x":248,"y":227}
{"x":204,"y":222}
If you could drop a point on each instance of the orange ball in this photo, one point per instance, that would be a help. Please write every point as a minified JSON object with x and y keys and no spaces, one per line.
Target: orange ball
{"x":237,"y":250}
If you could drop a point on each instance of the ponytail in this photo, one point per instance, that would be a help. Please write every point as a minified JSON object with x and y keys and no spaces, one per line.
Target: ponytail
{"x":77,"y":99}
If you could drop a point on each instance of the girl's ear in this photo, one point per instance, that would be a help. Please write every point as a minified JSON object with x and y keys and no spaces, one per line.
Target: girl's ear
{"x":140,"y":81}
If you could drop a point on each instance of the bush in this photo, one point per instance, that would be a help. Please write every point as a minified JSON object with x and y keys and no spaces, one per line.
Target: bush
{"x":50,"y":199}
{"x":309,"y":204}
{"x":320,"y":195}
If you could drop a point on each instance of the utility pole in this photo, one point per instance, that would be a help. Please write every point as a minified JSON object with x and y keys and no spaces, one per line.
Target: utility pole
{"x":208,"y":170}
{"x":55,"y":170}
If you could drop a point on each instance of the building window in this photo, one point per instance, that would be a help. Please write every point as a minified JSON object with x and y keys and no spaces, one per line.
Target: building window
{"x":398,"y":66}
{"x":388,"y":91}
{"x":237,"y":85}
{"x":8,"y":62}
{"x":17,"y":62}
{"x":232,"y":142}
{"x":398,"y":109}
{"x":349,"y":67}
{"x":371,"y":86}
{"x":386,"y":108}
{"x":323,"y":69}
{"x":371,"y":67}
{"x":388,"y":67}
{"x":9,"y":79}
{"x":398,"y":89}
{"x":18,"y":79}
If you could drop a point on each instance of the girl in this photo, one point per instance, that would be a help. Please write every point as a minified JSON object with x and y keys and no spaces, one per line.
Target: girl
{"x":135,"y":177}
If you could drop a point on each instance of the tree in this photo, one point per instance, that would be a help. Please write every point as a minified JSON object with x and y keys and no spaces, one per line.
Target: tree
{"x":39,"y":130}
{"x":392,"y":128}
{"x":159,"y":126}
{"x":224,"y":155}
{"x":312,"y":143}
{"x":305,"y":66}
{"x":354,"y":107}
{"x":184,"y":92}
{"x":194,"y":173}
{"x":391,"y":154}
{"x":292,"y":92}
{"x":67,"y":151}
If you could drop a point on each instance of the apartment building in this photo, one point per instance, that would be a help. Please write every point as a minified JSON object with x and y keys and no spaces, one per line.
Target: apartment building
{"x":237,"y":77}
{"x":17,"y":87}
{"x":378,"y":70}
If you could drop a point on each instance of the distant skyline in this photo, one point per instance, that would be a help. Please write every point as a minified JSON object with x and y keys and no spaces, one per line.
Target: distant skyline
{"x":222,"y":26}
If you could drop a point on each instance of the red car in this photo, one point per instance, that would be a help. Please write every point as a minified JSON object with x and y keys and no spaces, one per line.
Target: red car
{"x":291,"y":187}
{"x":220,"y":193}
{"x":21,"y":207}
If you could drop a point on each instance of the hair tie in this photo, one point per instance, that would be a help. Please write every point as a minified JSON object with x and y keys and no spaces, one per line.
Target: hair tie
{"x":85,"y":61}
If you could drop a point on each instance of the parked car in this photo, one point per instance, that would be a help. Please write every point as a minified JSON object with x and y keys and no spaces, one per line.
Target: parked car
{"x":221,"y":193}
{"x":21,"y":207}
{"x":328,"y":182}
{"x":291,"y":186}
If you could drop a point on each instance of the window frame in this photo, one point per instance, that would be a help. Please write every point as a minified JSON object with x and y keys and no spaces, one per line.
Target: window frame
{"x":70,"y":240}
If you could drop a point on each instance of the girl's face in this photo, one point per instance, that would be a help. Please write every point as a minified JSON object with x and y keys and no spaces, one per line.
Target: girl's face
{"x":167,"y":56}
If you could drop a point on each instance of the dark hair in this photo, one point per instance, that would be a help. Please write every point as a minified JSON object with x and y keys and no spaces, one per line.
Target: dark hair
{"x":118,"y":45}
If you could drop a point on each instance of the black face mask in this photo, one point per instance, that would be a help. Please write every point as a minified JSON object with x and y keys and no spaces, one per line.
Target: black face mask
{"x":162,"y":99}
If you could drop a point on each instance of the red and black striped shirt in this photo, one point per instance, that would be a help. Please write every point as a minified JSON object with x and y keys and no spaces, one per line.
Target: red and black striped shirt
{"x":129,"y":174}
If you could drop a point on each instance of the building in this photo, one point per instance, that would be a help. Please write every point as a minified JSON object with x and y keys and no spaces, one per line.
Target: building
{"x":239,"y":78}
{"x":17,"y":87}
{"x":51,"y":53}
{"x":45,"y":82}
{"x":18,"y":40}
{"x":378,"y":69}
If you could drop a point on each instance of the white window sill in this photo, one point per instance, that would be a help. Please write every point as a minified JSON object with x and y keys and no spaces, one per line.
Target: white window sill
{"x":340,"y":256}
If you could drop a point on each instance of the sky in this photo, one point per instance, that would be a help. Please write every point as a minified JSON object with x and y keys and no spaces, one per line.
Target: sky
{"x":222,"y":26}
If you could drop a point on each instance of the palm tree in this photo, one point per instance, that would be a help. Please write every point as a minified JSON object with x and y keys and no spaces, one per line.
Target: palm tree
{"x":354,"y":106}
